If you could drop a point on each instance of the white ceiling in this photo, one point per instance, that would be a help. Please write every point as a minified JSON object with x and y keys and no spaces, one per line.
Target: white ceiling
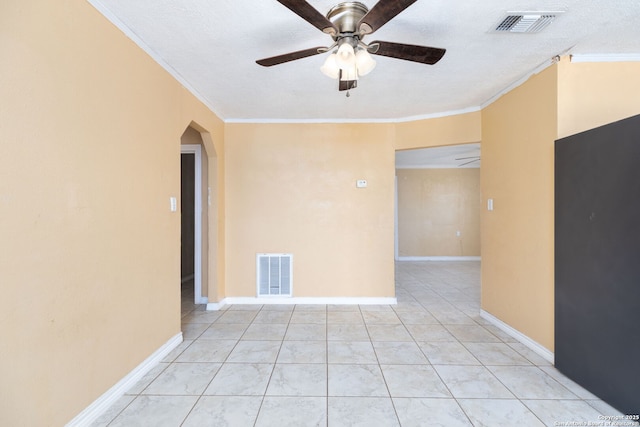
{"x":211,"y":47}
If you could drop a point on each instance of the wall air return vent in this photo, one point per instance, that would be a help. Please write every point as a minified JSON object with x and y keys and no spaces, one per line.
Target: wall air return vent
{"x":525,"y":22}
{"x":274,"y":273}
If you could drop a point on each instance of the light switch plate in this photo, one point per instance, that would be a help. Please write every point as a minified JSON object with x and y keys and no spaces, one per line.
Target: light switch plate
{"x":361,"y":183}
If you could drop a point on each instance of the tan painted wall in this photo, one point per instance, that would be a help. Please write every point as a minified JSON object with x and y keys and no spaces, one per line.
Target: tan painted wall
{"x":434,"y":204}
{"x":450,"y":130}
{"x":292,"y":188}
{"x":518,"y":134}
{"x":89,"y":253}
{"x":594,"y":94}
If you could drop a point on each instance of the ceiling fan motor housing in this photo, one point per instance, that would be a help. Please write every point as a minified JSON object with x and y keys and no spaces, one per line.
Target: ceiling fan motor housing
{"x":345,"y":16}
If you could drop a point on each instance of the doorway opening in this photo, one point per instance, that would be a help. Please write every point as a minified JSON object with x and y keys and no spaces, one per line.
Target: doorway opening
{"x":437,"y":204}
{"x":194,"y":218}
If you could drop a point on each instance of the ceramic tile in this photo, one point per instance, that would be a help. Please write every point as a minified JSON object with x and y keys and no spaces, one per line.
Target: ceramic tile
{"x":350,"y":352}
{"x":471,"y":333}
{"x":237,"y":316}
{"x":381,"y":318}
{"x":389,"y":333}
{"x":293,"y":412}
{"x":273,"y":316}
{"x":207,"y":351}
{"x":224,"y":331}
{"x":399,"y":353}
{"x":417,"y":318}
{"x":356,"y":380}
{"x":245,"y":307}
{"x":529,"y":354}
{"x":183,"y":379}
{"x":425,"y":412}
{"x":265,"y":332}
{"x":255,"y":352}
{"x":344,"y":317}
{"x":554,"y":412}
{"x":498,"y":412}
{"x":448,"y":353}
{"x":306,"y":331}
{"x":113,"y":411}
{"x":347,"y":332}
{"x":240,"y":379}
{"x":298,"y":380}
{"x":375,"y":307}
{"x":430,"y":333}
{"x":603,"y":407}
{"x":472,"y":382}
{"x":191,"y":331}
{"x":224,"y":411}
{"x":361,"y":412}
{"x":278,"y":307}
{"x":173,"y":354}
{"x":413,"y":381}
{"x":342,"y":307}
{"x":144,"y":382}
{"x":311,"y":307}
{"x":455,"y":317}
{"x":529,"y":382}
{"x":569,"y":384}
{"x":495,"y":354}
{"x":303,"y":352}
{"x":309,"y":317}
{"x":201,"y":317}
{"x":157,"y":411}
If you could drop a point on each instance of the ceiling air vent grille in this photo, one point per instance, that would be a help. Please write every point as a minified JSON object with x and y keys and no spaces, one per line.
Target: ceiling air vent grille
{"x":525,"y":22}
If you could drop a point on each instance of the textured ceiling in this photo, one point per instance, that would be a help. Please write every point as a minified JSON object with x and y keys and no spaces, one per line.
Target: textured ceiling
{"x":211,"y":47}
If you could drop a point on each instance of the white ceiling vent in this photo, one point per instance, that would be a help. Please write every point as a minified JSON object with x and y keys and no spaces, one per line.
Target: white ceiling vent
{"x":525,"y":22}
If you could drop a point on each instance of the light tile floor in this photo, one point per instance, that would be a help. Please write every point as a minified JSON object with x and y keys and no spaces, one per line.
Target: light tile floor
{"x":430,"y":360}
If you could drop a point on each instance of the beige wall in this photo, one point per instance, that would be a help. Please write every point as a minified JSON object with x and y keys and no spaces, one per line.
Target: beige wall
{"x":449,"y":130}
{"x":89,"y":254}
{"x":594,"y":94}
{"x":435,"y":204}
{"x":291,"y":188}
{"x":518,"y":133}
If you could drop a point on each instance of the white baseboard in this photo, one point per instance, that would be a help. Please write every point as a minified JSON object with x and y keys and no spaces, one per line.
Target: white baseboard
{"x":101,"y":404}
{"x":303,"y":300}
{"x":533,"y":345}
{"x":438,"y":258}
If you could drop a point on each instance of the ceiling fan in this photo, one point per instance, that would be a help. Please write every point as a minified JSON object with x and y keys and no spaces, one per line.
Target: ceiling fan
{"x":348,"y":23}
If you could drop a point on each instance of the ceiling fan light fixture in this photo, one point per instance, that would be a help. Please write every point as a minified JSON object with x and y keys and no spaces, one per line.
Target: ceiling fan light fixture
{"x":364,"y":62}
{"x":349,"y":74}
{"x":345,"y":57}
{"x":330,"y":68}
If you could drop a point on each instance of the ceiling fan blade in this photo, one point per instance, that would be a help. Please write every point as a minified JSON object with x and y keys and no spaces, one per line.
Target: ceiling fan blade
{"x":311,"y":15}
{"x":408,"y":52}
{"x":292,"y":56}
{"x":381,"y":13}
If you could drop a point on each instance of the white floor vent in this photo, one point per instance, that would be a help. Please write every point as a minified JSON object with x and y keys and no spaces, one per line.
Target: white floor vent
{"x":274,"y":273}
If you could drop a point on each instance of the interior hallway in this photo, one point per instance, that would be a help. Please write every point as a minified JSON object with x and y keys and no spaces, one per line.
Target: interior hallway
{"x":431,"y":361}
